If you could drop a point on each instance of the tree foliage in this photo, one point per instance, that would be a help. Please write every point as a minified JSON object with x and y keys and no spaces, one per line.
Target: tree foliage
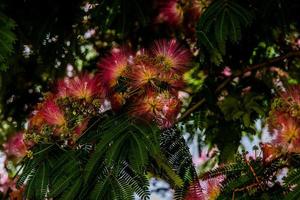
{"x":208,"y":69}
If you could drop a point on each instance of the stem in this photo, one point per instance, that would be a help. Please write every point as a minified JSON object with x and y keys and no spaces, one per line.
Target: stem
{"x":239,"y":73}
{"x":43,"y":150}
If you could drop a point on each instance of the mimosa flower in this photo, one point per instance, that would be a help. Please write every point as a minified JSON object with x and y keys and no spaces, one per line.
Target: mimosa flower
{"x":195,"y":192}
{"x":212,"y":187}
{"x":117,"y":100}
{"x":291,"y":101}
{"x":15,"y":146}
{"x":208,"y":189}
{"x":196,"y":8}
{"x":143,"y":76}
{"x":4,"y":181}
{"x":36,"y":120}
{"x":227,"y":71}
{"x":81,"y":127}
{"x":171,"y":81}
{"x":147,"y":107}
{"x":85,"y":86}
{"x":194,"y":11}
{"x":170,"y":56}
{"x":288,"y":134}
{"x":62,"y":88}
{"x":114,"y":66}
{"x":9,"y":186}
{"x":51,"y":113}
{"x":171,"y":12}
{"x":270,"y":151}
{"x":17,"y":193}
{"x":162,"y":108}
{"x":168,"y":115}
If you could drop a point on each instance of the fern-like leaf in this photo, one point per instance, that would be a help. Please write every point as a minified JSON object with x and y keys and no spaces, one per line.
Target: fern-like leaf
{"x":222,"y":21}
{"x":41,"y":184}
{"x":71,"y":193}
{"x":177,"y":153}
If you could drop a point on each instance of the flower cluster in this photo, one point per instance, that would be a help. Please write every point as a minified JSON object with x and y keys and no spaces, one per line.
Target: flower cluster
{"x":8,"y":187}
{"x":148,"y":81}
{"x":145,"y":84}
{"x":177,"y":13}
{"x":65,"y":113}
{"x":210,"y":189}
{"x":284,"y":123}
{"x":171,"y":12}
{"x":15,"y":147}
{"x":14,"y":150}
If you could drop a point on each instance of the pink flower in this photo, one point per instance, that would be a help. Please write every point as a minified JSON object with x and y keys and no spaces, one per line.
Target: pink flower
{"x":81,"y":127}
{"x":117,"y":100}
{"x":170,"y":56}
{"x":284,"y":120}
{"x":205,"y":156}
{"x":17,"y":193}
{"x":195,"y":10}
{"x":15,"y":146}
{"x":195,"y":192}
{"x":298,"y":42}
{"x":171,"y":81}
{"x":163,"y":108}
{"x":9,"y":185}
{"x":212,"y":187}
{"x":114,"y":66}
{"x":146,"y":106}
{"x":170,"y":12}
{"x":85,"y":86}
{"x":36,"y":120}
{"x":143,"y":76}
{"x":207,"y":190}
{"x":288,"y":134}
{"x":227,"y":71}
{"x":292,"y":96}
{"x":270,"y":151}
{"x":4,"y":181}
{"x":62,"y":88}
{"x":51,"y":113}
{"x":170,"y":110}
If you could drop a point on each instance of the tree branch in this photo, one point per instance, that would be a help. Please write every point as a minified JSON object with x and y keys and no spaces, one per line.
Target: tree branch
{"x":269,"y":62}
{"x":239,"y":73}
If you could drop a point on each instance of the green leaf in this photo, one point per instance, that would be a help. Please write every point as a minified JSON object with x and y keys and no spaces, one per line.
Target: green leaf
{"x":71,"y":193}
{"x":294,"y":195}
{"x":30,"y":191}
{"x":139,"y":186}
{"x":41,"y":186}
{"x":63,"y":183}
{"x":221,"y":22}
{"x":99,"y":190}
{"x":169,"y":171}
{"x":117,"y":149}
{"x":108,"y":136}
{"x":7,"y":40}
{"x":138,"y":154}
{"x":246,"y":119}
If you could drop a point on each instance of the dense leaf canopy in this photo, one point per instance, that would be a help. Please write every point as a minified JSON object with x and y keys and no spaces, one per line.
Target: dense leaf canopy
{"x":99,"y":96}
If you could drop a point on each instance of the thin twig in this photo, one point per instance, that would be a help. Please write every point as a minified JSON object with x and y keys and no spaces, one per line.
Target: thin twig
{"x":271,"y":61}
{"x":239,"y":73}
{"x":253,"y":172}
{"x":242,"y":189}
